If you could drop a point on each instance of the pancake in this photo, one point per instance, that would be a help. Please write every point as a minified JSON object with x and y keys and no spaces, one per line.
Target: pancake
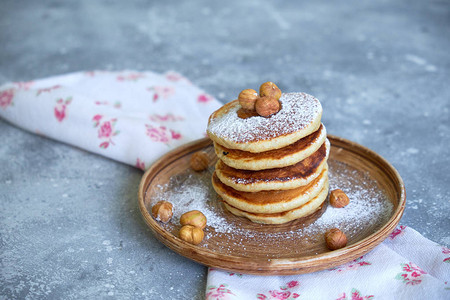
{"x":283,"y":217}
{"x":272,"y":201}
{"x":299,"y":174}
{"x":299,"y":116}
{"x":277,"y":158}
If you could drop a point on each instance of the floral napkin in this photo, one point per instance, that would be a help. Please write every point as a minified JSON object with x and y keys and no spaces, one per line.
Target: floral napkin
{"x":135,"y":117}
{"x":405,"y":266}
{"x":132,"y":117}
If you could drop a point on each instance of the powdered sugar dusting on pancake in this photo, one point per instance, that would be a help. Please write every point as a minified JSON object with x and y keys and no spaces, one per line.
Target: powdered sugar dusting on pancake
{"x":298,"y":110}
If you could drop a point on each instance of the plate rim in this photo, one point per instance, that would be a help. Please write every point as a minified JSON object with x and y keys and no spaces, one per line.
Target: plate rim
{"x":276,"y":266}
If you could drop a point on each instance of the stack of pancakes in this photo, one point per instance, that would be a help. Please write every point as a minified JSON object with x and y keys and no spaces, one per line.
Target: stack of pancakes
{"x":271,"y":170}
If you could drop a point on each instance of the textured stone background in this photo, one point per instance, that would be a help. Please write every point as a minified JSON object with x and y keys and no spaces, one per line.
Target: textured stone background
{"x":69,"y":222}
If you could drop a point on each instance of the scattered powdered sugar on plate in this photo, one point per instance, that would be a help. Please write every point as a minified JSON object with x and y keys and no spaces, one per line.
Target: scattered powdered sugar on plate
{"x":298,"y":110}
{"x":192,"y":191}
{"x":369,"y":207}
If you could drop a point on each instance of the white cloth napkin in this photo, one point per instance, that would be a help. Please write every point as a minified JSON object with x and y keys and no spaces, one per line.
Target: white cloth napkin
{"x":135,"y":117}
{"x":405,"y":266}
{"x":132,"y":117}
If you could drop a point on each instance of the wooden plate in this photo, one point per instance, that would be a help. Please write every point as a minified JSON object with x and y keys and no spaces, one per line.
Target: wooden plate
{"x":375,"y":188}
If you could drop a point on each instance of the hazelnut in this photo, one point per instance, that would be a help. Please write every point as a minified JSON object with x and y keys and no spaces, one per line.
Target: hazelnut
{"x":335,"y":239}
{"x":247,"y":99}
{"x":191,"y":234}
{"x":269,"y":89}
{"x":162,"y":211}
{"x":194,"y":217}
{"x":338,"y":198}
{"x":199,"y":161}
{"x":267,"y":106}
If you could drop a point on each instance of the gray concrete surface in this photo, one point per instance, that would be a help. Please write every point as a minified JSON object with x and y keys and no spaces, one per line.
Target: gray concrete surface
{"x":69,"y":222}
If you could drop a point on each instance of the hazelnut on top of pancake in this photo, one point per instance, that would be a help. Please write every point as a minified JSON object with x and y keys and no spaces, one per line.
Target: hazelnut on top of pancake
{"x":299,"y":116}
{"x":273,"y":152}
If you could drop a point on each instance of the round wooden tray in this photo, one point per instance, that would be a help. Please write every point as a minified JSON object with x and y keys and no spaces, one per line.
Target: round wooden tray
{"x":279,"y":249}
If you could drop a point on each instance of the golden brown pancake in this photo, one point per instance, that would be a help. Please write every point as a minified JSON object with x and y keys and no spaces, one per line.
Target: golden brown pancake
{"x":286,"y":216}
{"x":277,"y":158}
{"x":285,"y":178}
{"x":272,"y":201}
{"x":298,"y":117}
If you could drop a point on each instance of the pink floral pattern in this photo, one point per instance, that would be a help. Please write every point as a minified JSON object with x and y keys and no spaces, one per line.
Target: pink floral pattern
{"x":174,"y":76}
{"x":90,"y":73}
{"x":165,"y":118}
{"x":355,"y":295}
{"x":411,"y":274}
{"x":60,"y":108}
{"x":140,"y":164}
{"x":47,"y":90}
{"x":284,"y":293}
{"x":94,"y":73}
{"x":220,"y":292}
{"x":397,"y":231}
{"x":446,"y":251}
{"x":116,"y":104}
{"x":105,"y":130}
{"x":130,"y":77}
{"x":204,"y":98}
{"x":161,"y":92}
{"x":24,"y":85}
{"x":162,"y":134}
{"x":235,"y":274}
{"x":6,"y":98}
{"x":351,"y":266}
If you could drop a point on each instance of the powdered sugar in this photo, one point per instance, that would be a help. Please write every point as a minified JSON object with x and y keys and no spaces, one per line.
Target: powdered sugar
{"x":298,"y":110}
{"x":368,"y":210}
{"x":368,"y":206}
{"x":192,"y":191}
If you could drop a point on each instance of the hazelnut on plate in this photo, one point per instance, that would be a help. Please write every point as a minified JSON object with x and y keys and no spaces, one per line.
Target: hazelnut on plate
{"x":191,"y":234}
{"x":162,"y":211}
{"x":199,"y":161}
{"x":195,"y":218}
{"x":338,"y":198}
{"x":335,"y":239}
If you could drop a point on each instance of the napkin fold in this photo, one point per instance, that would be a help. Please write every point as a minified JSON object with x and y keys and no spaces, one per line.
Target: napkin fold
{"x":135,"y":117}
{"x":132,"y":117}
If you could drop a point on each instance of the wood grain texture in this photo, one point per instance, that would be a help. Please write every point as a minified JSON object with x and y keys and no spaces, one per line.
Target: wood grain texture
{"x":259,"y":253}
